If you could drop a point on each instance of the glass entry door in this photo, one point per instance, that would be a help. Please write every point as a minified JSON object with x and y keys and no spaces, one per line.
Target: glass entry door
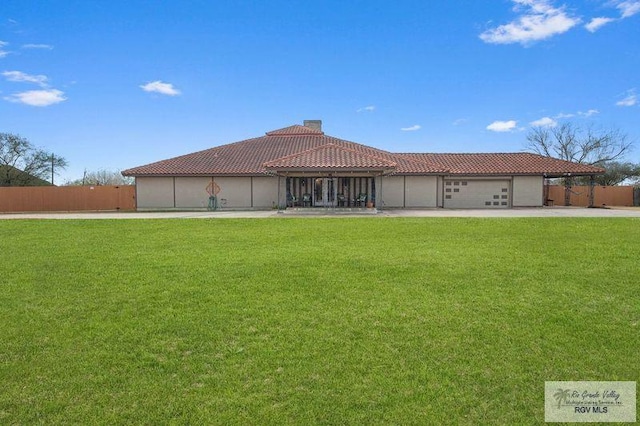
{"x":324,"y":192}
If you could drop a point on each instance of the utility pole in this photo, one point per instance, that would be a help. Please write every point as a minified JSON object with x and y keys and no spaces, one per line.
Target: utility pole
{"x":57,"y":162}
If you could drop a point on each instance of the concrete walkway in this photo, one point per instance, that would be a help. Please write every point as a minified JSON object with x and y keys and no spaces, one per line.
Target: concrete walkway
{"x":516,"y":212}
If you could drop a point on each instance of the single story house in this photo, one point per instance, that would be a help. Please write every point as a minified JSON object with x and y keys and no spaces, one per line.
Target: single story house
{"x":301,"y":166}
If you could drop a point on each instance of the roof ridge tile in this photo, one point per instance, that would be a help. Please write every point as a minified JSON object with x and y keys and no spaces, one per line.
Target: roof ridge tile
{"x":295,"y":130}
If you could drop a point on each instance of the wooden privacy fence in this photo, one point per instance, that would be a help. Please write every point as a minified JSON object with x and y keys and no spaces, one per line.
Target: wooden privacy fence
{"x":67,"y":198}
{"x":603,"y":195}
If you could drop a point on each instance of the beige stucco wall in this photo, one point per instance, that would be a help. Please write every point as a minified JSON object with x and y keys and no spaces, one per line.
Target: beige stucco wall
{"x":154,"y":192}
{"x":390,"y":191}
{"x":191,"y":192}
{"x":235,"y":192}
{"x":262,"y":192}
{"x":440,"y":191}
{"x":409,"y":191}
{"x":527,"y":191}
{"x":421,"y":191}
{"x":265,"y":192}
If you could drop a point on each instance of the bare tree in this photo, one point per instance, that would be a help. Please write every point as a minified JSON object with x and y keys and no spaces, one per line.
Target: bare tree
{"x":616,"y":173}
{"x":571,"y":143}
{"x":22,"y":164}
{"x":102,"y":177}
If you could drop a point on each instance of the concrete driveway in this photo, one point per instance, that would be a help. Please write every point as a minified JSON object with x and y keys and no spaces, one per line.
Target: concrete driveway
{"x":516,"y":212}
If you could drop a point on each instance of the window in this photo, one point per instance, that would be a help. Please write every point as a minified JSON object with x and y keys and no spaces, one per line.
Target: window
{"x":504,"y":197}
{"x":448,"y":197}
{"x":448,"y":190}
{"x":495,"y":197}
{"x":464,"y":183}
{"x":456,"y":183}
{"x":456,"y":190}
{"x":487,"y":203}
{"x":504,"y":203}
{"x":496,"y":203}
{"x":448,"y":183}
{"x":505,"y":190}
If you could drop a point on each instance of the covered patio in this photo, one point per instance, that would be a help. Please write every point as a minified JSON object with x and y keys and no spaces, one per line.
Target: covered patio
{"x":329,"y":191}
{"x":331,"y":176}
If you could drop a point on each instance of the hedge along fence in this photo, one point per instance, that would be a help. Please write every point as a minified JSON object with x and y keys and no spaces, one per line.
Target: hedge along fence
{"x":603,"y":195}
{"x":67,"y":198}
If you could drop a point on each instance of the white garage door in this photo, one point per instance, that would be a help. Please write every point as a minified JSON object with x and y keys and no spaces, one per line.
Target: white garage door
{"x":480,"y":194}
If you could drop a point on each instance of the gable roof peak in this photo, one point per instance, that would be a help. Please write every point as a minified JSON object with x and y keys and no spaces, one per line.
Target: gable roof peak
{"x":296,"y":130}
{"x":330,"y":156}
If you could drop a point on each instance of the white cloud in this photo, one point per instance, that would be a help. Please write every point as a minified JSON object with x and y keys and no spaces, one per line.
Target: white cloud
{"x":630,"y":100}
{"x":160,"y":87}
{"x":588,"y":113}
{"x":411,"y":128}
{"x":544,"y":122}
{"x":628,"y":8}
{"x":540,"y":21}
{"x":596,"y":23}
{"x":459,"y":121}
{"x":369,"y":108}
{"x":39,"y":98}
{"x":3,"y":52}
{"x":502,"y":126}
{"x":37,"y":46}
{"x":19,"y":76}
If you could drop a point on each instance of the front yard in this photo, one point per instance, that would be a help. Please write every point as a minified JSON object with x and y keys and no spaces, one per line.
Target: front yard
{"x":311,"y":320}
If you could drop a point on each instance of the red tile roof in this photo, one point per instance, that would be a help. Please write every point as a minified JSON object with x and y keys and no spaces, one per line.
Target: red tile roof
{"x":299,"y":147}
{"x":520,"y":163}
{"x":330,"y":156}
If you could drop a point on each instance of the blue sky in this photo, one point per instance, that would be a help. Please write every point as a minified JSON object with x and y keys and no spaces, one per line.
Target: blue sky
{"x":116,"y":84}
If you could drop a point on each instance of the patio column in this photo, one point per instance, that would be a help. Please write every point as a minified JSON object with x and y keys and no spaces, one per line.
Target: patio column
{"x":567,"y":190}
{"x":379,"y":204}
{"x":278,"y":194}
{"x":545,"y":190}
{"x":592,"y":187}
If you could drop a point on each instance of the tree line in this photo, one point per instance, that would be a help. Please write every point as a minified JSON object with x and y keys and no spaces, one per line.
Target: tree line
{"x":23,"y":164}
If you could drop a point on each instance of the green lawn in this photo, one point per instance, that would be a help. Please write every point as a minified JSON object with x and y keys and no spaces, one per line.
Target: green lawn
{"x":312,"y":320}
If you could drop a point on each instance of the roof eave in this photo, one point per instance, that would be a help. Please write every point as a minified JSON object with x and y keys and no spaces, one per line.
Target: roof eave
{"x":213,"y":174}
{"x":434,"y":173}
{"x":332,"y":169}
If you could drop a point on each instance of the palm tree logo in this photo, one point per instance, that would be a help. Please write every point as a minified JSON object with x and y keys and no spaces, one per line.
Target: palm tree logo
{"x":561,"y":396}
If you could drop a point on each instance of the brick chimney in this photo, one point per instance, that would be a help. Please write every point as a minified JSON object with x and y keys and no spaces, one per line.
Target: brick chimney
{"x":313,"y":124}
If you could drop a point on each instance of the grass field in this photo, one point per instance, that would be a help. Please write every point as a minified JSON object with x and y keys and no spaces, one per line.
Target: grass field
{"x":313,"y":320}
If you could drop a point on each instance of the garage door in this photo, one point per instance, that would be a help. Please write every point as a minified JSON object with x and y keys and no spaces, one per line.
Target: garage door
{"x":480,"y":194}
